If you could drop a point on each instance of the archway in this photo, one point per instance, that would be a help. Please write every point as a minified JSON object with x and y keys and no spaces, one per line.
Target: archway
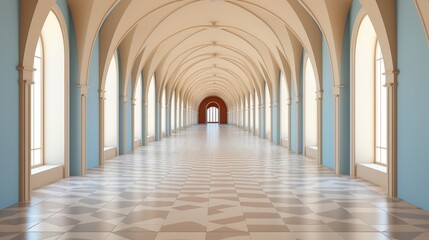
{"x":370,"y":111}
{"x":212,"y":112}
{"x":212,"y":102}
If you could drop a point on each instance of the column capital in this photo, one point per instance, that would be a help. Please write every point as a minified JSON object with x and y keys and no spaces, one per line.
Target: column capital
{"x":26,"y":82}
{"x":84,"y":89}
{"x":124,"y":98}
{"x":391,"y":78}
{"x":394,"y":72}
{"x":102,"y":94}
{"x":25,"y":69}
{"x":297,"y":99}
{"x":336,"y":90}
{"x":319,"y":95}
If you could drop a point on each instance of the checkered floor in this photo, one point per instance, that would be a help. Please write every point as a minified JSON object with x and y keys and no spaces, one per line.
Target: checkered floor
{"x":214,"y":182}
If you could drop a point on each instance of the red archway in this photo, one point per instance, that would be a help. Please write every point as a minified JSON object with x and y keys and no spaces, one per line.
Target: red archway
{"x":212,"y":102}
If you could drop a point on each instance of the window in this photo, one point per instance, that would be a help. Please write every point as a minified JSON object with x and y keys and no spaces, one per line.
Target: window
{"x":252,"y":113}
{"x":257,"y":113}
{"x":267,"y":112}
{"x":172,"y":112}
{"x":310,"y":106}
{"x":380,"y":108}
{"x":111,"y":112}
{"x":151,"y":107}
{"x":49,"y":105}
{"x":138,"y":110}
{"x":212,"y":115}
{"x":37,"y":113}
{"x":163,"y":114}
{"x":284,"y":94}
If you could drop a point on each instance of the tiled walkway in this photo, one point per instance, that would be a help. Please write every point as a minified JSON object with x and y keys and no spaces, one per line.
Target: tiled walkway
{"x":212,"y":183}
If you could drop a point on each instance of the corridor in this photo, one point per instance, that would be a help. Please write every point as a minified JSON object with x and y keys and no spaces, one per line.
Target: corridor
{"x":212,"y":182}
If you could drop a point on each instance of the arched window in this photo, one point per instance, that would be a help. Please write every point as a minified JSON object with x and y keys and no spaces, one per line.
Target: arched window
{"x":111,"y":112}
{"x":284,"y":110}
{"x":178,"y":113}
{"x":138,"y":111}
{"x":310,"y":110}
{"x":182,"y":114}
{"x":257,"y":113}
{"x":246,"y":113}
{"x":172,"y":113}
{"x":151,"y":101}
{"x":37,"y":113}
{"x":252,"y":114}
{"x":212,"y":115}
{"x":49,"y":97}
{"x":380,"y":108}
{"x":163,"y":114}
{"x":369,"y":107}
{"x":267,"y":112}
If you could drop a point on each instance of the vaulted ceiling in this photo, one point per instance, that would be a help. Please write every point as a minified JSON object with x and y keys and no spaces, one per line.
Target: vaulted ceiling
{"x":201,"y":48}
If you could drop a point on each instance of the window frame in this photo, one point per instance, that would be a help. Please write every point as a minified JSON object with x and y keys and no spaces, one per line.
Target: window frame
{"x":42,"y":108}
{"x":377,"y":94}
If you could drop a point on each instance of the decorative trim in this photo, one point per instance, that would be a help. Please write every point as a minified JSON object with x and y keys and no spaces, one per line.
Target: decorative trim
{"x":297,"y":99}
{"x":24,"y":68}
{"x":319,"y":95}
{"x":336,"y":90}
{"x":84,"y":89}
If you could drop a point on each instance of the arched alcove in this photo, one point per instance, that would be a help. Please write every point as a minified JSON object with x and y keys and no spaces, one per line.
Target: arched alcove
{"x":212,"y":100}
{"x":49,"y":157}
{"x":138,"y":113}
{"x":151,"y":112}
{"x":111,"y":112}
{"x":369,"y":106}
{"x":310,"y":110}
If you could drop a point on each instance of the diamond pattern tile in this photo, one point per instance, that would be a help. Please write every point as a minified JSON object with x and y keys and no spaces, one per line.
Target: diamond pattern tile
{"x":212,"y":182}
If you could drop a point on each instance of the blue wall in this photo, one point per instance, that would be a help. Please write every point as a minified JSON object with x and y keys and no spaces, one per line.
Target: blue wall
{"x":124,"y":110}
{"x":345,"y":91}
{"x":9,"y":102}
{"x":75,"y":108}
{"x":92,"y":113}
{"x":297,"y":112}
{"x":413,"y":106}
{"x":328,"y":112}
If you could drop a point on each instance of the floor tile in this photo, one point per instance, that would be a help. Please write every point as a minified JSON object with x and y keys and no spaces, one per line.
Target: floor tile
{"x":213,"y":182}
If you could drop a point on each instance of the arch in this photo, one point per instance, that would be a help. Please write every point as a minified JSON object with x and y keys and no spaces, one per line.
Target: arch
{"x":50,"y":78}
{"x":151,"y":109}
{"x":163,"y":113}
{"x":369,"y":74}
{"x":310,"y":110}
{"x":138,"y":113}
{"x":285,"y":102}
{"x":223,"y":119}
{"x":212,"y":112}
{"x":110,"y":118}
{"x":267,"y":112}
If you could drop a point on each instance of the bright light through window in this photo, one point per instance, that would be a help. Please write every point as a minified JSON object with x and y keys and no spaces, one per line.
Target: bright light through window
{"x":37,"y":108}
{"x":212,"y":115}
{"x":381,"y":108}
